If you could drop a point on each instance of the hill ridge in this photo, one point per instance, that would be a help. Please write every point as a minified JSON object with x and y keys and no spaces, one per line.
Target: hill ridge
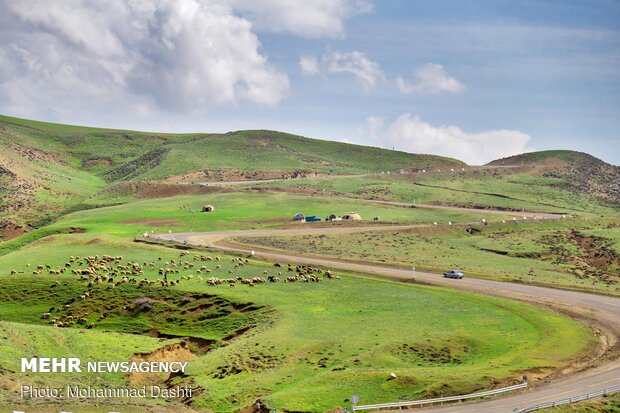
{"x":579,"y":171}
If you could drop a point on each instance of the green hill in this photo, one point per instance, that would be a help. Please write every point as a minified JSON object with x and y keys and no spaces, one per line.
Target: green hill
{"x":48,"y":168}
{"x":541,"y":156}
{"x":578,"y":171}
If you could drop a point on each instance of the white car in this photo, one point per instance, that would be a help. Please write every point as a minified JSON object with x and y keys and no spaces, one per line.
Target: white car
{"x":454,"y":274}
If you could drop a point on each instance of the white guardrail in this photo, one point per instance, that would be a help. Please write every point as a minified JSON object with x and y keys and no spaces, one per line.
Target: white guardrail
{"x":440,"y":399}
{"x":570,"y":400}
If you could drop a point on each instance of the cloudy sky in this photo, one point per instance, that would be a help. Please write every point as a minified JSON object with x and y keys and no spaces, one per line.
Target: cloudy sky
{"x":475,"y":80}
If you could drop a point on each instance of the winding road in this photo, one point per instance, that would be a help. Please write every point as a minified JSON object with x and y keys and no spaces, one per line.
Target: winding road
{"x":602,"y":311}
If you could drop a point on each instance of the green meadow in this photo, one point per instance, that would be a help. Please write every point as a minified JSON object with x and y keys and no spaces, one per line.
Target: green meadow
{"x":504,"y":252}
{"x":296,"y":346}
{"x":238,"y":210}
{"x":472,"y":188}
{"x":310,"y":345}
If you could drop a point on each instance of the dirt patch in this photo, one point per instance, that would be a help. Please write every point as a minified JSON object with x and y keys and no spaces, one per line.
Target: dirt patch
{"x":33,"y":154}
{"x":234,"y":174}
{"x":10,"y":229}
{"x":258,"y":407}
{"x":173,"y":352}
{"x":172,"y":222}
{"x":153,"y":190}
{"x":597,"y":251}
{"x":584,"y":256}
{"x":96,"y":162}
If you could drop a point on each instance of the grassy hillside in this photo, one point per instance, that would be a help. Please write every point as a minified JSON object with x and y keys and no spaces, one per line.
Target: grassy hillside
{"x":560,"y":254}
{"x":501,"y":189}
{"x":46,"y":169}
{"x":120,"y":155}
{"x":577,"y":171}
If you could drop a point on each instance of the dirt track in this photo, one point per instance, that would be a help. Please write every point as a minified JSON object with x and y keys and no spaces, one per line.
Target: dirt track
{"x":601,"y":311}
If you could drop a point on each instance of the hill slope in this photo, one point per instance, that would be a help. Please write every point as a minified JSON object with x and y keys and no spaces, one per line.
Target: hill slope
{"x":47,"y":168}
{"x":580,"y":172}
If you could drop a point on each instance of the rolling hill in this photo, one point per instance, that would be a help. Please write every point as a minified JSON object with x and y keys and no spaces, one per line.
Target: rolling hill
{"x":577,"y":171}
{"x":47,"y":169}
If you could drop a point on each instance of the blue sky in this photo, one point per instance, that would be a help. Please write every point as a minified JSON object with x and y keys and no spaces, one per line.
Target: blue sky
{"x":474,"y":80}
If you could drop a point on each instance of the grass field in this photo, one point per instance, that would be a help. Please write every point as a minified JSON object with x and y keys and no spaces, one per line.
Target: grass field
{"x":48,"y":168}
{"x":192,"y":152}
{"x":503,"y":189}
{"x":233,"y":211}
{"x":558,"y":252}
{"x":298,"y":357}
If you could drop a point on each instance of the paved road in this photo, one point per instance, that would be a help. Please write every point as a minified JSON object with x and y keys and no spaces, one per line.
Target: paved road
{"x":606,"y":310}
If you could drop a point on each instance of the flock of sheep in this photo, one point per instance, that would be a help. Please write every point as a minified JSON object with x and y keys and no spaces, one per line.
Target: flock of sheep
{"x":114,"y":271}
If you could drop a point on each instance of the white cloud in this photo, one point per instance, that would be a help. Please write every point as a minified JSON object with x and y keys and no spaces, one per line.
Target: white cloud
{"x":411,"y":134}
{"x":308,"y":18}
{"x":372,"y":127}
{"x":185,"y":55}
{"x":367,"y":72}
{"x":430,"y":79}
{"x":309,"y":65}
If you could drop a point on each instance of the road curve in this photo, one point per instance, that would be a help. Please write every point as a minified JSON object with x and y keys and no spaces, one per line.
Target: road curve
{"x":605,"y":310}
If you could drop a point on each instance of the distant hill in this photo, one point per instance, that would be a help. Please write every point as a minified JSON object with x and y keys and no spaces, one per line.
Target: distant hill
{"x":48,"y":168}
{"x":580,"y":171}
